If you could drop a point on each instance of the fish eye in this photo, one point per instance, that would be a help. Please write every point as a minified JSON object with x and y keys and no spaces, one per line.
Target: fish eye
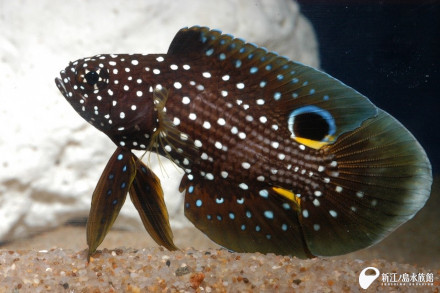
{"x":312,"y":126}
{"x":92,"y":78}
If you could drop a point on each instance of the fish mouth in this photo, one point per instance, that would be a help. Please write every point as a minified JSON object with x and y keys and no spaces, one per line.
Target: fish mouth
{"x":60,"y":84}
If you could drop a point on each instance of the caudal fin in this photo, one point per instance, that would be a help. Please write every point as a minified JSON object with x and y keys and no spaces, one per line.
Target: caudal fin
{"x":381,"y":179}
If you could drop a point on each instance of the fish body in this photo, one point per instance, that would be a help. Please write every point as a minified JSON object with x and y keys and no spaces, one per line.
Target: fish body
{"x":278,"y":157}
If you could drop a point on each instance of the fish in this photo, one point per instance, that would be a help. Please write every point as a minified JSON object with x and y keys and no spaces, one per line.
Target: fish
{"x":277,"y":157}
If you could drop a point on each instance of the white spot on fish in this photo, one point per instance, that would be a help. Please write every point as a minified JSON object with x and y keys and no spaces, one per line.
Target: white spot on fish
{"x":305,"y":213}
{"x":243,"y":186}
{"x":198,"y":143}
{"x":333,"y":213}
{"x":185,"y":100}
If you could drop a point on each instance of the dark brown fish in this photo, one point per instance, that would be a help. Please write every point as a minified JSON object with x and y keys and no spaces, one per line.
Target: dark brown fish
{"x":278,"y":157}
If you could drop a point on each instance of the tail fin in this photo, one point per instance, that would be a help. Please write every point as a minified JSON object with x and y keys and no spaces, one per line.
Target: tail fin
{"x":382,"y":178}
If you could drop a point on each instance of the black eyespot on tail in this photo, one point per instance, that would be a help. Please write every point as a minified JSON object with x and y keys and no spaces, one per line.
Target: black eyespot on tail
{"x":311,"y":126}
{"x":311,"y":123}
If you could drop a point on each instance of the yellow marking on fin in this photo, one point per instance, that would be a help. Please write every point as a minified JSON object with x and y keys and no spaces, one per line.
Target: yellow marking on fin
{"x":314,"y":144}
{"x":288,"y":194}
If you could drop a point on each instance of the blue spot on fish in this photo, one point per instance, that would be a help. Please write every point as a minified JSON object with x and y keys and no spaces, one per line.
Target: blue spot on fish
{"x":209,"y":52}
{"x":264,"y":193}
{"x":268,"y":214}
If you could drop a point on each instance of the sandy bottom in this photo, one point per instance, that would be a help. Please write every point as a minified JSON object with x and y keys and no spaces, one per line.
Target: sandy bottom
{"x":158,"y":270}
{"x":55,"y":261}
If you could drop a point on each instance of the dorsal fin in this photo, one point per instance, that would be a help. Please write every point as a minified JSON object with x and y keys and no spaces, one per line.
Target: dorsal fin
{"x":286,"y":91}
{"x":187,"y":40}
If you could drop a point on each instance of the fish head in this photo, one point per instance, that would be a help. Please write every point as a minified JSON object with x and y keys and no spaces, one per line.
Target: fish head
{"x":103,"y":91}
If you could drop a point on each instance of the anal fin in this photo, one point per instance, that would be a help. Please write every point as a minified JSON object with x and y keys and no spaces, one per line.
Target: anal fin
{"x":258,"y":220}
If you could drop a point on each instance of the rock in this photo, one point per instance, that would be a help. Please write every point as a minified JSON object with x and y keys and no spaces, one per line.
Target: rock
{"x":51,"y":158}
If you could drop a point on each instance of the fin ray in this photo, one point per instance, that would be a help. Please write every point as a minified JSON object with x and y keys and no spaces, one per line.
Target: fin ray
{"x":283,"y":84}
{"x":167,"y":140}
{"x":109,"y":196}
{"x":246,"y":222}
{"x":390,"y":190}
{"x":147,"y":196}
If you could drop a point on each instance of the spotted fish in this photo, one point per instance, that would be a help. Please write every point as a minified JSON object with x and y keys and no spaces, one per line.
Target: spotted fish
{"x":277,"y":156}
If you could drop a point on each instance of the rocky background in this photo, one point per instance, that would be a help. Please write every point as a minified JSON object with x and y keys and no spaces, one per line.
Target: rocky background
{"x":51,"y":158}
